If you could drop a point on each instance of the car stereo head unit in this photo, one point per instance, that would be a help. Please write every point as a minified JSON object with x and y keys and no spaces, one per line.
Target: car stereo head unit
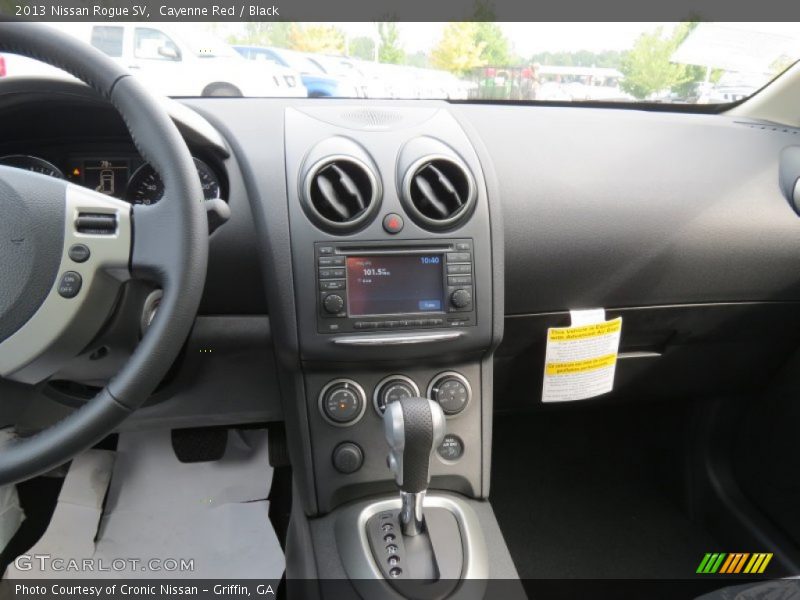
{"x":408,"y":285}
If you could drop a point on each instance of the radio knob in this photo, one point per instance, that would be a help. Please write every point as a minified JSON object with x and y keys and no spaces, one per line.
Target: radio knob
{"x":333,"y":303}
{"x":460,"y":298}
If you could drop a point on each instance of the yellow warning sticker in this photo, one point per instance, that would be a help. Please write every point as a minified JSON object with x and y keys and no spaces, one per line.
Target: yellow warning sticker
{"x":557,"y":334}
{"x":581,"y":366}
{"x":581,"y":360}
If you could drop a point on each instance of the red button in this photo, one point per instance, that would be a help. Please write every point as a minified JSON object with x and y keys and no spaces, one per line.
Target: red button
{"x":393,"y":223}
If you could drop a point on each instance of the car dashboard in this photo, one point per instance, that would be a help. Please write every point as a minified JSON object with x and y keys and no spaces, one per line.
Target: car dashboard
{"x":674,"y":222}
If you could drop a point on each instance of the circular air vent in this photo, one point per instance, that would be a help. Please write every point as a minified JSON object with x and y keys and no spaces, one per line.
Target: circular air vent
{"x":341,"y":193}
{"x":438,"y":192}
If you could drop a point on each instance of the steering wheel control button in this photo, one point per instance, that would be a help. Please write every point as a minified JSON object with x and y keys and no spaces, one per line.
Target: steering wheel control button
{"x":347,"y":458}
{"x":79,"y":253}
{"x":70,"y":284}
{"x":451,"y":448}
{"x":393,"y":223}
{"x":392,"y":389}
{"x":452,"y":391}
{"x":342,"y":402}
{"x":96,"y":223}
{"x":333,"y":304}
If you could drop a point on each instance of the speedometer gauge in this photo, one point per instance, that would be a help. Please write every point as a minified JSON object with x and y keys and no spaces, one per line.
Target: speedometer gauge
{"x":32,"y":163}
{"x":146,"y":186}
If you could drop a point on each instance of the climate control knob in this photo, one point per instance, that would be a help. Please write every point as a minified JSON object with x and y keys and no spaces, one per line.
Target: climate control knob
{"x":451,"y":390}
{"x":333,"y":303}
{"x":391,"y":389}
{"x":461,"y":298}
{"x":342,"y":402}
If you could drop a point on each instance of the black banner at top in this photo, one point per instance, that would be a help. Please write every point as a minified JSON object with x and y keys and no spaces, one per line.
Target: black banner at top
{"x":395,"y":10}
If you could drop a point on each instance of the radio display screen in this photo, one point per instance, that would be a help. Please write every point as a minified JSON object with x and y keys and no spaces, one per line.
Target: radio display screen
{"x":394,"y":285}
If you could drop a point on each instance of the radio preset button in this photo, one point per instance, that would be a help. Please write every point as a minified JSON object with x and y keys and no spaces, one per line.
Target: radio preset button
{"x":459,"y":269}
{"x":459,"y":280}
{"x":331,"y":261}
{"x":332,"y":284}
{"x":331,"y":273}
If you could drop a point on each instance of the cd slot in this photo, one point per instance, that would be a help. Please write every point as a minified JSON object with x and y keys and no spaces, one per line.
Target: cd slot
{"x":361,"y":251}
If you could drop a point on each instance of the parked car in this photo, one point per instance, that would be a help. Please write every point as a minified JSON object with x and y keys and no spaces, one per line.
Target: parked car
{"x":318,"y":83}
{"x":173,"y":61}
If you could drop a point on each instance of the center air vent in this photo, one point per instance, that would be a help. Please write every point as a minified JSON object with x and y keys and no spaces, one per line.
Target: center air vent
{"x":439,"y":192}
{"x":341,"y":194}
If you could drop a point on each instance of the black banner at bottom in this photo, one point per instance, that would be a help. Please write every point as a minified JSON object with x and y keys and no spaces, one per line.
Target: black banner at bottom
{"x":705,"y":588}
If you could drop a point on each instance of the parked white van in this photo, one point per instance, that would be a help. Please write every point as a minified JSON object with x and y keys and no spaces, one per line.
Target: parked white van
{"x":173,"y":60}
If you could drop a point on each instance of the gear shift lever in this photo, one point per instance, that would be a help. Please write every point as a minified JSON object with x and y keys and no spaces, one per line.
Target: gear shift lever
{"x":414,"y":428}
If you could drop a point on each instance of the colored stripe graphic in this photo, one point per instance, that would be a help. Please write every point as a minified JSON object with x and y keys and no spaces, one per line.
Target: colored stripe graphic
{"x":717,"y":563}
{"x":727,"y":564}
{"x":711,"y":562}
{"x":735,"y":562}
{"x":740,"y":564}
{"x":730,"y":565}
{"x":703,"y":563}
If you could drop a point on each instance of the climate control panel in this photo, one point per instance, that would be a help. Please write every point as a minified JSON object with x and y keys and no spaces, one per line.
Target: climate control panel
{"x":342,"y":402}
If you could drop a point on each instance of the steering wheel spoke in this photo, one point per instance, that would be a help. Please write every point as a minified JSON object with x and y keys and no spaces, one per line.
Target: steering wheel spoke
{"x":64,"y":251}
{"x":92,"y":253}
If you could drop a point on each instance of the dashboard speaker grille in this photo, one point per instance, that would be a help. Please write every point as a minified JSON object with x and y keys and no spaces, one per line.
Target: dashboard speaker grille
{"x":372,"y":118}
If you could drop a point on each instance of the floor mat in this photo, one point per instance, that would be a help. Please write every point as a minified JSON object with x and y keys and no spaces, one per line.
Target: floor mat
{"x":586,"y":493}
{"x":199,"y":520}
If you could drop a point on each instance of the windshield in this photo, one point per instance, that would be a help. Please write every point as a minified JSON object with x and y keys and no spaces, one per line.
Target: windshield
{"x":670,"y":63}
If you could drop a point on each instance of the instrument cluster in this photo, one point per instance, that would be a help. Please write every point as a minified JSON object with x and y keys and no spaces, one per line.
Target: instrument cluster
{"x":126,"y":177}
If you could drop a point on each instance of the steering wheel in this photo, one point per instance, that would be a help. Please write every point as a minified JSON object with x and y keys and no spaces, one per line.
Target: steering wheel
{"x":65,"y":250}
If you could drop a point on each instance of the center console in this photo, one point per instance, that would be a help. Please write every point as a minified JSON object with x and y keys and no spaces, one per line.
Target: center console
{"x":396,"y":255}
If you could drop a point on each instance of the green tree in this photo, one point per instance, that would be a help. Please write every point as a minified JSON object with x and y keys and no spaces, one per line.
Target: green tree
{"x":459,"y":51}
{"x":389,"y":49}
{"x":323,"y":39}
{"x":495,"y":44}
{"x":496,"y":48}
{"x":647,"y":67}
{"x":362,"y":47}
{"x":694,"y":73}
